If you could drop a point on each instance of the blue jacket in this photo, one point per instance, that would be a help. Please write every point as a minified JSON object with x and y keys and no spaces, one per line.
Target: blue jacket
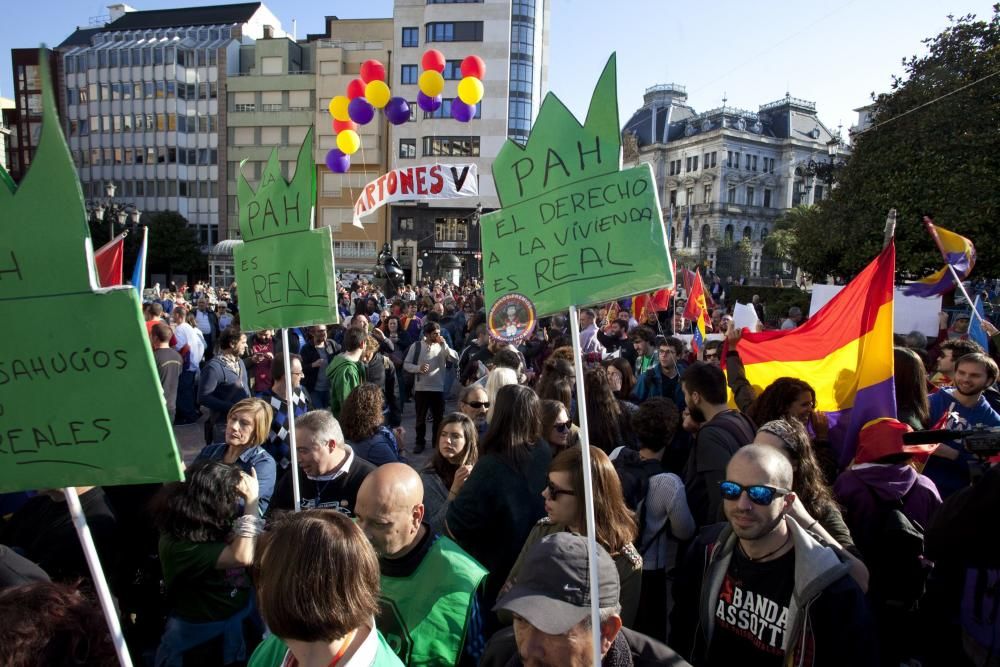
{"x":379,"y":448}
{"x":652,"y":383}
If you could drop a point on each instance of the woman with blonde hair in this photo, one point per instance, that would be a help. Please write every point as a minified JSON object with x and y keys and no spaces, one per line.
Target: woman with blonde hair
{"x":247,"y":427}
{"x":498,"y":377}
{"x":616,"y":526}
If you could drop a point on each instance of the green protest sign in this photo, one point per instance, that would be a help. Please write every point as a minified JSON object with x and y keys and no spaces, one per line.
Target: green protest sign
{"x":573,"y":228}
{"x":80,"y":401}
{"x":284,"y":268}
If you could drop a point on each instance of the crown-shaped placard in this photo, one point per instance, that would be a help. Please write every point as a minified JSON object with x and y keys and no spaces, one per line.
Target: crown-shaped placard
{"x":79,"y":406}
{"x":574,"y":229}
{"x":44,"y":238}
{"x":559,"y":149}
{"x":278,"y":206}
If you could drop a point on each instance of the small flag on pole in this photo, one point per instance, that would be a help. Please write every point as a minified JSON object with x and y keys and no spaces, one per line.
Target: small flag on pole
{"x":696,"y":310}
{"x":958,"y":252}
{"x":108,"y":259}
{"x":139,"y":272}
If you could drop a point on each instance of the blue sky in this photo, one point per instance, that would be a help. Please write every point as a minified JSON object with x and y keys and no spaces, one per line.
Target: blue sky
{"x":833,"y":53}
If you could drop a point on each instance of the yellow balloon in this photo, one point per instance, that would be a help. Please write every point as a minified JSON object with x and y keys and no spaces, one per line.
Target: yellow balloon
{"x":377,"y":93}
{"x":431,"y":83}
{"x":348,"y":142}
{"x":470,"y":90}
{"x":338,"y":108}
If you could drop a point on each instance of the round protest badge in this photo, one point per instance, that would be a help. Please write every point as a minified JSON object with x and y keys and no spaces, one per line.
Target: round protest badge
{"x":512,"y":319}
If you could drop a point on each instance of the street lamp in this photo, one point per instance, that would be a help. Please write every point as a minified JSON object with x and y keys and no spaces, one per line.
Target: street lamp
{"x":113,"y":210}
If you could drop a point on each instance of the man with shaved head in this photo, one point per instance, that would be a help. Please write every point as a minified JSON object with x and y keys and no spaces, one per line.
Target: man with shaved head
{"x":760,"y":589}
{"x":430,"y":606}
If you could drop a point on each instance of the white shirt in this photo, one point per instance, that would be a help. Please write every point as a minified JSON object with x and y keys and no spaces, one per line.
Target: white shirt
{"x":204,"y":324}
{"x":188,"y":335}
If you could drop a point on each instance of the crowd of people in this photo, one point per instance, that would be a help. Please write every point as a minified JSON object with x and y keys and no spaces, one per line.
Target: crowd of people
{"x":727,"y":532}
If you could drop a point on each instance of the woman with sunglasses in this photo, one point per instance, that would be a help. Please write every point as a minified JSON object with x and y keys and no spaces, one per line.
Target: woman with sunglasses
{"x":616,"y":526}
{"x":557,"y":428}
{"x":814,"y":507}
{"x":455,"y":454}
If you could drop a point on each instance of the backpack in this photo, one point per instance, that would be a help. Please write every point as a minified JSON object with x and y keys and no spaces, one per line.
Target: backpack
{"x":893,"y":546}
{"x":634,"y":473}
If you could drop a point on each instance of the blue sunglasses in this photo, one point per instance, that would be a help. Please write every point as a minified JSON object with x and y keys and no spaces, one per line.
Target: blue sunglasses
{"x":757,"y":493}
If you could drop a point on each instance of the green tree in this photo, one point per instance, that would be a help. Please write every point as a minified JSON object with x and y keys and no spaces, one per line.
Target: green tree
{"x":174,"y":246}
{"x":932,"y":150}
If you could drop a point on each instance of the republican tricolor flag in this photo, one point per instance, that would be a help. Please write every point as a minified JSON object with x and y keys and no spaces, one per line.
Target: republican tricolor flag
{"x":108,"y":259}
{"x":844,"y":352}
{"x":959,"y":254}
{"x":696,"y":310}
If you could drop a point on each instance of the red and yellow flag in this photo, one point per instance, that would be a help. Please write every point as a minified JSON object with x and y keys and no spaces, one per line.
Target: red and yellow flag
{"x":844,"y":352}
{"x":696,"y":310}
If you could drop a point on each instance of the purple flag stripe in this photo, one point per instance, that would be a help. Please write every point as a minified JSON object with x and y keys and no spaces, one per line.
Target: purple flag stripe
{"x":872,"y":402}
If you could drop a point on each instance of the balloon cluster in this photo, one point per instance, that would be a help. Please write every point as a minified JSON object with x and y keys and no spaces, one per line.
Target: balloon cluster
{"x":364,"y":95}
{"x":370,"y":92}
{"x":470,"y":88}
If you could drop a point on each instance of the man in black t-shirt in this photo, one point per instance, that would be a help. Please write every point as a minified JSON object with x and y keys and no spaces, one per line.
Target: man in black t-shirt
{"x":760,"y":589}
{"x":329,"y":472}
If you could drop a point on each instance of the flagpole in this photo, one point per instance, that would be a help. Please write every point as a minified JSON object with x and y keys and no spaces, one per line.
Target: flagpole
{"x":97,"y":573}
{"x":588,"y":486}
{"x":929,"y":226}
{"x":293,"y":454}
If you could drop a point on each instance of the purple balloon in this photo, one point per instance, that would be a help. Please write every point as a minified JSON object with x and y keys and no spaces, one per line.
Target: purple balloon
{"x":461,"y":111}
{"x":337,"y":162}
{"x":360,"y":111}
{"x":428,"y":104}
{"x":397,"y":110}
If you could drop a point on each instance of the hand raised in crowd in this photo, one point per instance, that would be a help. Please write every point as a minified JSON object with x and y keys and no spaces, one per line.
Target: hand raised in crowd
{"x":461,"y":474}
{"x":733,"y":336}
{"x":248,"y":487}
{"x":942,"y":320}
{"x":989,"y":328}
{"x":820,"y":424}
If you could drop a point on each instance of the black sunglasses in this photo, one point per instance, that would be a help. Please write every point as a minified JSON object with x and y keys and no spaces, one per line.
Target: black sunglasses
{"x":478,"y":405}
{"x":757,"y":493}
{"x":555,"y":491}
{"x":562,"y":427}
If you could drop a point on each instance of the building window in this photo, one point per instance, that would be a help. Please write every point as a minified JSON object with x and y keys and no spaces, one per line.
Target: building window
{"x":713,"y":160}
{"x":695,"y":163}
{"x":748,"y":161}
{"x":451,"y":229}
{"x":819,"y":193}
{"x":452,"y":70}
{"x":457,"y":146}
{"x":689,"y":196}
{"x":411,"y":37}
{"x":444,"y":111}
{"x":407,"y":148}
{"x":406,"y":224}
{"x":707,"y":194}
{"x":454,"y":31}
{"x":750,"y":196}
{"x":747,"y":233}
{"x":408,"y":74}
{"x":731,"y":195}
{"x":453,"y":2}
{"x":754,"y":163}
{"x":736,"y":160}
{"x":767,"y":198}
{"x":354,"y":248}
{"x":728,"y":238}
{"x":687,"y":164}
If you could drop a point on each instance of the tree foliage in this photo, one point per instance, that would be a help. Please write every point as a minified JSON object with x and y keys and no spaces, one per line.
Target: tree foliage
{"x":932,"y":150}
{"x":174,"y":246}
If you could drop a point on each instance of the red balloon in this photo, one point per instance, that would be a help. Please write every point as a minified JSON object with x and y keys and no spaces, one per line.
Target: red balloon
{"x":372,"y":70}
{"x":356,"y":88}
{"x":341,"y":125}
{"x":433,"y":59}
{"x":474,"y":66}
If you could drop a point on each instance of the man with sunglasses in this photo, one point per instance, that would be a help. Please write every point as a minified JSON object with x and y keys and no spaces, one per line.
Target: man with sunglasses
{"x":474,"y":404}
{"x":762,"y":590}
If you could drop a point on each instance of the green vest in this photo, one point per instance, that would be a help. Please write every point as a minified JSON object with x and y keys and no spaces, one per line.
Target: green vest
{"x":424,"y":616}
